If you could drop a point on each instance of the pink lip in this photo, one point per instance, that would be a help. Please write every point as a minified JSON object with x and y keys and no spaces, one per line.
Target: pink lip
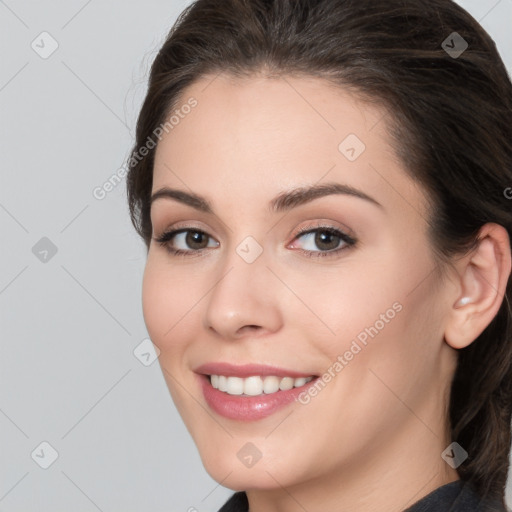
{"x":247,"y":370}
{"x":242,"y":407}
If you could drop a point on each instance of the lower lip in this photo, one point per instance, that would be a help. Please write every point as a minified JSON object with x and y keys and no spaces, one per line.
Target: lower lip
{"x":248,"y":408}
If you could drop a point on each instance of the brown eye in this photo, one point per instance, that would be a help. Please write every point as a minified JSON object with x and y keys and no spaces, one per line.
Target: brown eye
{"x":323,"y":241}
{"x":196,"y":239}
{"x":186,"y":241}
{"x":326,"y":240}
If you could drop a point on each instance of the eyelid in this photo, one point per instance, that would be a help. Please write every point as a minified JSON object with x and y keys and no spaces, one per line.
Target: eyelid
{"x":345,"y":234}
{"x":325,"y":224}
{"x":317,"y":224}
{"x":185,"y":225}
{"x":347,"y":239}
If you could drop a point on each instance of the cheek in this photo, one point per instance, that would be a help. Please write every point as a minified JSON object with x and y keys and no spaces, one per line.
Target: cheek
{"x":165,"y":306}
{"x":153,"y":303}
{"x":387,"y":307}
{"x":342,"y":302}
{"x":164,"y":303}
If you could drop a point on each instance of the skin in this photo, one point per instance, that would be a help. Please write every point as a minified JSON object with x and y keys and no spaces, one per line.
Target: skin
{"x":372,"y":438}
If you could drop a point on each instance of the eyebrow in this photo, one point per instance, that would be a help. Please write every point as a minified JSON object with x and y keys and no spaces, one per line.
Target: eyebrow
{"x":285,"y":201}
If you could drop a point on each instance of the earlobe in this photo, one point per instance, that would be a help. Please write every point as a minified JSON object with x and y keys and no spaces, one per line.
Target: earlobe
{"x":482,"y":282}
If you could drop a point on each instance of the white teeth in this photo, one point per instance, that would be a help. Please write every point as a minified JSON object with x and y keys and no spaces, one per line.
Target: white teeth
{"x":235,"y":385}
{"x":223,"y":383}
{"x":286,"y":384}
{"x":271,"y":384}
{"x":255,"y":385}
{"x":299,"y":382}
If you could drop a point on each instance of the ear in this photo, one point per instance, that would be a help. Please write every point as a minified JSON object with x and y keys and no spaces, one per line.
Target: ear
{"x":481,"y":285}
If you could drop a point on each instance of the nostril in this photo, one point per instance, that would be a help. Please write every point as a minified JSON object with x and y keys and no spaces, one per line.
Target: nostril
{"x":249,"y":328}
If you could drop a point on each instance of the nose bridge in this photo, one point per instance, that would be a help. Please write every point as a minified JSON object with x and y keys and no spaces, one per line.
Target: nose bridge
{"x":243,"y":293}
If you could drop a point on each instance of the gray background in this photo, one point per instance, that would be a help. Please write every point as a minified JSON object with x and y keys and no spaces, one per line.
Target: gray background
{"x":70,"y":323}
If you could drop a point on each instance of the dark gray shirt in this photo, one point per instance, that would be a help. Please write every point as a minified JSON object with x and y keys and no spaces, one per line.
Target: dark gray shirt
{"x":456,"y":496}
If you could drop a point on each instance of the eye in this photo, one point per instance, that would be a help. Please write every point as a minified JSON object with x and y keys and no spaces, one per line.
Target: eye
{"x":327,"y":239}
{"x":191,"y":241}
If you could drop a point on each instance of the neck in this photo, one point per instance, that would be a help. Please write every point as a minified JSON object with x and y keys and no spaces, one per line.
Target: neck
{"x":389,"y":476}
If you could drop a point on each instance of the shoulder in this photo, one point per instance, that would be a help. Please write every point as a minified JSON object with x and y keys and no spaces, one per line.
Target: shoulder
{"x":457,"y":496}
{"x":469,"y":500}
{"x":237,"y":503}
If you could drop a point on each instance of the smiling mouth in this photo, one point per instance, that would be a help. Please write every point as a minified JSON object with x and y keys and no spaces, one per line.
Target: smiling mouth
{"x":256,"y":385}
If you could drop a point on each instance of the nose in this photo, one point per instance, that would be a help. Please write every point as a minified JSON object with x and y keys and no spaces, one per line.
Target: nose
{"x":244,"y":300}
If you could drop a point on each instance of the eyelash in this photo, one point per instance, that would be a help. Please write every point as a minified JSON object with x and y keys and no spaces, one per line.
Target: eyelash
{"x":348,"y":240}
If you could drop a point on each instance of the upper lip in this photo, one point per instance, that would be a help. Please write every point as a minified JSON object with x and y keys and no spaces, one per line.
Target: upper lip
{"x":247,"y":370}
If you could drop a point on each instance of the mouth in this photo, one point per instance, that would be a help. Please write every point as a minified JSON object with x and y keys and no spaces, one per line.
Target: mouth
{"x":250,"y":392}
{"x":256,"y":385}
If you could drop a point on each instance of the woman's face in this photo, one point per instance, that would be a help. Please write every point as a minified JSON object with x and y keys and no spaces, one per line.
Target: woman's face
{"x":354,"y":303}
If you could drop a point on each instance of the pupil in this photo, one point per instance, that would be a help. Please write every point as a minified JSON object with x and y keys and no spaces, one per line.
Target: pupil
{"x":322,"y":238}
{"x":194,"y":237}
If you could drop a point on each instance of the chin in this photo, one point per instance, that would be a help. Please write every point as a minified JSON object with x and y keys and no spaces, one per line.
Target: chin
{"x":235,"y":464}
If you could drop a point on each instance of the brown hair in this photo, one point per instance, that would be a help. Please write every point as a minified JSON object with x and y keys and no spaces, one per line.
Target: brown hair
{"x":450,"y":121}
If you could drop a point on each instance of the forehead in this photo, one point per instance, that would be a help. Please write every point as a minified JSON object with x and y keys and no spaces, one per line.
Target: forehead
{"x":253,"y":137}
{"x":279,"y":115}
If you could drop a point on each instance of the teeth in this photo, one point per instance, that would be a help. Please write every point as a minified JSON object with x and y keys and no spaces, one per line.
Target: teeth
{"x":286,"y":384}
{"x":252,"y":386}
{"x":223,"y":383}
{"x":271,"y":384}
{"x":255,"y":385}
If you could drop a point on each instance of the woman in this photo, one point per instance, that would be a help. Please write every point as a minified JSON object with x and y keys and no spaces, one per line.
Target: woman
{"x":323,"y":187}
